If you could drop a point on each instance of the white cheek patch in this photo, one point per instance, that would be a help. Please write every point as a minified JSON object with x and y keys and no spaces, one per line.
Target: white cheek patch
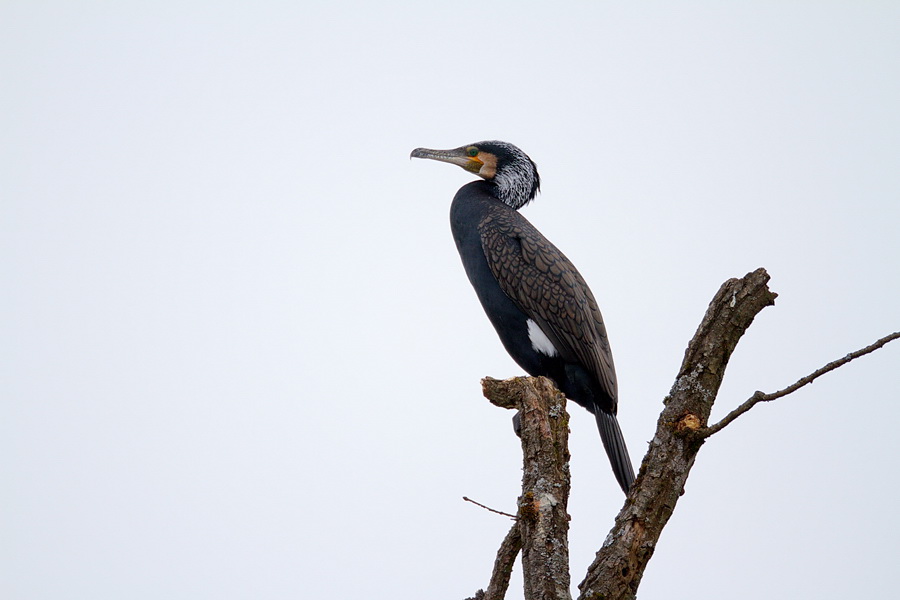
{"x":539,"y":340}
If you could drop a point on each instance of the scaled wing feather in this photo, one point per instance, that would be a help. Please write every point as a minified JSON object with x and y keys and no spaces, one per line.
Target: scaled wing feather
{"x":550,"y":290}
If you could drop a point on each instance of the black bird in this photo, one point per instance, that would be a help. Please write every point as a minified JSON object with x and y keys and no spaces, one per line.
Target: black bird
{"x":541,"y":307}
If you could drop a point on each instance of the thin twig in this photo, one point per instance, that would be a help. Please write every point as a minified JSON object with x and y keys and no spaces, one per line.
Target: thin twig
{"x":761,"y":397}
{"x":499,"y":512}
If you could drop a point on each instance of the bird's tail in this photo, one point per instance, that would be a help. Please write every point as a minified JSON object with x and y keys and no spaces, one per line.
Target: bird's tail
{"x":615,"y":447}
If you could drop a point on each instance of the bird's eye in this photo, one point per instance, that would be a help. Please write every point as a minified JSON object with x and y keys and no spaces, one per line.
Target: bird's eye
{"x":472,"y":151}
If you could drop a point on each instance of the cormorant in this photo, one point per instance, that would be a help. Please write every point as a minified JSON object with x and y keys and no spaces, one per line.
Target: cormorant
{"x":541,"y":307}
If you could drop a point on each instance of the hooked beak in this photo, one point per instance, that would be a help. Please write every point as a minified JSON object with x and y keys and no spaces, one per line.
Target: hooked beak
{"x":457,"y":156}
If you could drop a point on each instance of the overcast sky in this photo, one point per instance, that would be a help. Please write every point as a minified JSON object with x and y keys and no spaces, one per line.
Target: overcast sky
{"x":240,"y":357}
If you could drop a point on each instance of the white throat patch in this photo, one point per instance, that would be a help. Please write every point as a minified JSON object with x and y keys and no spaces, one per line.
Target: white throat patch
{"x":539,"y":340}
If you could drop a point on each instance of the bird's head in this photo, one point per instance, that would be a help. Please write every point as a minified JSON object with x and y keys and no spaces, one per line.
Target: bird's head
{"x":512,"y":173}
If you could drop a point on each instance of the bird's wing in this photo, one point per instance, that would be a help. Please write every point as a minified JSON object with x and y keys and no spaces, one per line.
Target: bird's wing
{"x":550,"y":290}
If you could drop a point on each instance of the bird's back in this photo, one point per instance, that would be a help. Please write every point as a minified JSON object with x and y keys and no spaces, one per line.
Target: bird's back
{"x":504,"y":253}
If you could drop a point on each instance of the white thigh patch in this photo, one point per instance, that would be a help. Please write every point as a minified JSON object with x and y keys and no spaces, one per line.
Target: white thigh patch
{"x":539,"y":340}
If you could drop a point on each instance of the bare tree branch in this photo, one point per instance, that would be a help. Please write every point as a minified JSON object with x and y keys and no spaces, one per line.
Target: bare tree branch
{"x":619,"y":565}
{"x":758,"y":396}
{"x":543,"y":522}
{"x":503,"y":565}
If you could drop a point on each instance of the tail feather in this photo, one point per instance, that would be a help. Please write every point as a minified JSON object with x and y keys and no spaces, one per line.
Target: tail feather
{"x":615,"y":447}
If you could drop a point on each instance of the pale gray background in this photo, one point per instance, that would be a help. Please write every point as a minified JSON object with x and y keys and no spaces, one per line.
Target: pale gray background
{"x":240,"y":358}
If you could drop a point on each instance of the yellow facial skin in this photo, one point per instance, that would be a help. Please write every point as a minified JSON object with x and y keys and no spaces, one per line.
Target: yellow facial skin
{"x":488,"y":165}
{"x":483,"y":164}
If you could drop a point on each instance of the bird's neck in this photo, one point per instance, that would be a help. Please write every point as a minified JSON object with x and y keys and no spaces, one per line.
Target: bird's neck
{"x":515,"y":188}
